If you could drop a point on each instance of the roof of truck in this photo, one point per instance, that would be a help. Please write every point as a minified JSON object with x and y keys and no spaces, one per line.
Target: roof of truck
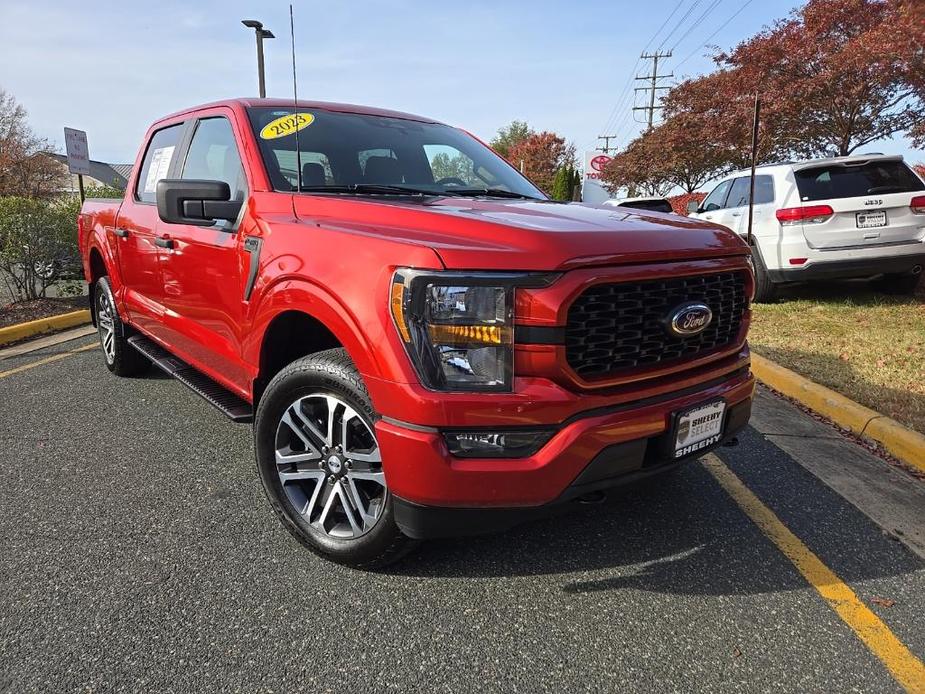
{"x":317,"y":105}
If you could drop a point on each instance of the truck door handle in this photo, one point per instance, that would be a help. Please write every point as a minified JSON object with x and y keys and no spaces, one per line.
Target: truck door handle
{"x":164,"y":242}
{"x":121,"y":233}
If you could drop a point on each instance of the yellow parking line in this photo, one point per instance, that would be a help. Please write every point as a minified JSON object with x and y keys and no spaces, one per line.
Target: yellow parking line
{"x":47,"y":360}
{"x":898,"y":659}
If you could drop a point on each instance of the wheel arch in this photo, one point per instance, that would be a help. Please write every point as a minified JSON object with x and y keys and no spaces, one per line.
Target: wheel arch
{"x":296,"y":319}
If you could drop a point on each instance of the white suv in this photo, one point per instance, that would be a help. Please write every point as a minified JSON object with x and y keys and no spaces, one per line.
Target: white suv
{"x":858,"y":216}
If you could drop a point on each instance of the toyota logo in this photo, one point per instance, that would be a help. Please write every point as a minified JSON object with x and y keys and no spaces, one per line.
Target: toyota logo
{"x":599,"y":162}
{"x":689,"y":319}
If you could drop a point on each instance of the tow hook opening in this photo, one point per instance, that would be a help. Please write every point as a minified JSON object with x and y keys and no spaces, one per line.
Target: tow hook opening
{"x":592,"y":498}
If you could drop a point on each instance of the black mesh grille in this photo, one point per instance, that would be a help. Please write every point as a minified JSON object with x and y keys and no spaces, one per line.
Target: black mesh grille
{"x":621,"y":326}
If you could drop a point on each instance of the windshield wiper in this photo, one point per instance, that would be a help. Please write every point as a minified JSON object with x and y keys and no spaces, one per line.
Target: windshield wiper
{"x":490,"y":193}
{"x":372,"y":188}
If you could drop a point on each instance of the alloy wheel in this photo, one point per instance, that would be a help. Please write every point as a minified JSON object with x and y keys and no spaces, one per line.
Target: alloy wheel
{"x":105,"y":320}
{"x":330,"y":467}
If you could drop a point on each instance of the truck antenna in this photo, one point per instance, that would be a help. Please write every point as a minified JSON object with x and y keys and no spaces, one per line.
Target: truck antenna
{"x":295,"y":103}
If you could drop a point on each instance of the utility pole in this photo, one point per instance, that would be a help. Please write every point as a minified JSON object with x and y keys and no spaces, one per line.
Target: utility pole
{"x":606,"y":138}
{"x":261,"y":35}
{"x":653,"y":87}
{"x":756,"y":117}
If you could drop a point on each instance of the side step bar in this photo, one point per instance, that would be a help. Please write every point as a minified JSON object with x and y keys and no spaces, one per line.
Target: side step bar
{"x":214,"y":393}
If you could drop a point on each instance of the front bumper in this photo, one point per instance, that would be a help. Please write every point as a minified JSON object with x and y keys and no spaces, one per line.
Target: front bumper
{"x":438,"y":494}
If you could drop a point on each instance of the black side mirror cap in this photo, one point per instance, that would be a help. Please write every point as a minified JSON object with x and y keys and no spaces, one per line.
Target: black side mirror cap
{"x":201,"y":203}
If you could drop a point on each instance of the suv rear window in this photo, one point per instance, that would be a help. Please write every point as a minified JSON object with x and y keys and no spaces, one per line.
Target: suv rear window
{"x":841,"y":181}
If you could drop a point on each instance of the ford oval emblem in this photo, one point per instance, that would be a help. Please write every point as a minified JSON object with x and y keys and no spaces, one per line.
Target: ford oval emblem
{"x":689,"y":319}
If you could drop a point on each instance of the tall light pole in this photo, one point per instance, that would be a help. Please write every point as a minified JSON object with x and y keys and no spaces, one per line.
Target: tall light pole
{"x":261,"y":35}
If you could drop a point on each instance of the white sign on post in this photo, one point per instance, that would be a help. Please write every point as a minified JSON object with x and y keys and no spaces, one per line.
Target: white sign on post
{"x":591,"y":189}
{"x":78,"y":155}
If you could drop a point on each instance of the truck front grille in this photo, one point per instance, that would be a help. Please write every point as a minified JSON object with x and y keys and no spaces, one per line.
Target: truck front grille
{"x":612,"y":327}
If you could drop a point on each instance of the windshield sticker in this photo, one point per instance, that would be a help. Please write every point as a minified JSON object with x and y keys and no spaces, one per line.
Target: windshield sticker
{"x":286,"y":125}
{"x":160,"y":163}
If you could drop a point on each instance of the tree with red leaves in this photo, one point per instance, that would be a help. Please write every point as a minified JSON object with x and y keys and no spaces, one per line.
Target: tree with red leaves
{"x":540,"y":155}
{"x":833,"y":77}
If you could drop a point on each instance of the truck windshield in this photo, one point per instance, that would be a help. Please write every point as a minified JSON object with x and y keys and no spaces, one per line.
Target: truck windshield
{"x":351,"y":153}
{"x":857,"y":180}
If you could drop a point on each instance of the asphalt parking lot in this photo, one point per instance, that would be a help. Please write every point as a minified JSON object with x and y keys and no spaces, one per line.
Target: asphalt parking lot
{"x":138,"y":552}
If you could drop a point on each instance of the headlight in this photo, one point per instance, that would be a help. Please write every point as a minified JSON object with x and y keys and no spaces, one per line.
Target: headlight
{"x":458,"y":328}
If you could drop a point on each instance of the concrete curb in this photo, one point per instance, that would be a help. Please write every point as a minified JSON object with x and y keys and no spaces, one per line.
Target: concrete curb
{"x":43,"y":325}
{"x":904,"y":443}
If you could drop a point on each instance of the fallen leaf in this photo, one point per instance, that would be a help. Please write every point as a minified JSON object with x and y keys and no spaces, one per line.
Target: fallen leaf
{"x":844,"y":356}
{"x":883,"y":602}
{"x":881,"y":363}
{"x":736,"y":652}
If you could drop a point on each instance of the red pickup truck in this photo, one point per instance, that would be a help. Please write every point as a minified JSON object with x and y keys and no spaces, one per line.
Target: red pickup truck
{"x":427,"y":345}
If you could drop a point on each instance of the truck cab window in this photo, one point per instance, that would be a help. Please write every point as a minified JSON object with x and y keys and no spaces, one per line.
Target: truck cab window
{"x":156,"y":163}
{"x":213,"y":156}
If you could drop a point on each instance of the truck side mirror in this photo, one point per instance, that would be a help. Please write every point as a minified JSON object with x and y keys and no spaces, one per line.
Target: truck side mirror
{"x":693,"y":206}
{"x":186,"y":201}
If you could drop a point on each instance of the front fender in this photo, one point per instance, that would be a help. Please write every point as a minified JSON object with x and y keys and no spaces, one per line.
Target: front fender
{"x":315,"y":301}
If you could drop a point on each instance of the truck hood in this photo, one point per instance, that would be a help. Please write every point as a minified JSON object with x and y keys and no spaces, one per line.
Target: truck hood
{"x":524,"y":234}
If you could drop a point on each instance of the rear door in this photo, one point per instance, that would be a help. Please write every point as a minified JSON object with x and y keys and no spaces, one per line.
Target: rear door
{"x":204,"y":268}
{"x":135,"y":232}
{"x":763,"y":210}
{"x":870,"y":202}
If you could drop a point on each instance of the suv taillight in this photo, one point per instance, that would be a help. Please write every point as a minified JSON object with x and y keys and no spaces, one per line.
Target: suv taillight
{"x":918,"y":204}
{"x":811,"y":214}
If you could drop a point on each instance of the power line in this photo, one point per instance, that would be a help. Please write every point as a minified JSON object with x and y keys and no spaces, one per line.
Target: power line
{"x":696,"y":23}
{"x":678,"y":24}
{"x":625,"y":91}
{"x":719,"y":29}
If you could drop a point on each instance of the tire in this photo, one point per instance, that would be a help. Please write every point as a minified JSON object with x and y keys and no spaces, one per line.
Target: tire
{"x":765,"y":289}
{"x":120,"y":357}
{"x":898,"y":285}
{"x":332,"y":497}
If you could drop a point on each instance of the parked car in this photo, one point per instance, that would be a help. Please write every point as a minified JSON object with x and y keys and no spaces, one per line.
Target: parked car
{"x":655,"y":204}
{"x":858,"y":216}
{"x":423,"y":354}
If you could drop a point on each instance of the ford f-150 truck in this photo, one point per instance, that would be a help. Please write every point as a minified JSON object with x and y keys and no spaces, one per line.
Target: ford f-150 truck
{"x":427,"y":345}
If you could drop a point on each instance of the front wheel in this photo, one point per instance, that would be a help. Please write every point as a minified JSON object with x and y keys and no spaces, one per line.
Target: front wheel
{"x":121,"y":358}
{"x":320,"y":464}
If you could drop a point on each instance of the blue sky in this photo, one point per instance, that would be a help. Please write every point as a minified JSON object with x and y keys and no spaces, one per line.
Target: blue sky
{"x":112,"y":68}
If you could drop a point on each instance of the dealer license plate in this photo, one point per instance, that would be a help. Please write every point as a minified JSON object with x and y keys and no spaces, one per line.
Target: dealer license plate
{"x":698,"y":427}
{"x":868,"y":220}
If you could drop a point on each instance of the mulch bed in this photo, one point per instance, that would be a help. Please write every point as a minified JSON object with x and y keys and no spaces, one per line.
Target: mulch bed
{"x":24,"y":311}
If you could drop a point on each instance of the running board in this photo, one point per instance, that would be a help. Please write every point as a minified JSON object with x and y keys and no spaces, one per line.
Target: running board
{"x":215,"y":394}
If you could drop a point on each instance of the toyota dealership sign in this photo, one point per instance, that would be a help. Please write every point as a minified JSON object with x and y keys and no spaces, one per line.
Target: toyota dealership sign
{"x":591,"y":189}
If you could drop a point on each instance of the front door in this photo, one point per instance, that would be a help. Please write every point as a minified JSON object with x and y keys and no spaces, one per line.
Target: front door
{"x":203,"y":267}
{"x":138,"y":252}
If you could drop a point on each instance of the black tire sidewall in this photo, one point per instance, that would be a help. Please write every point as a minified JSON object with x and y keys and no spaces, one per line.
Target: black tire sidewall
{"x":765,"y":291}
{"x":331,"y":373}
{"x":126,"y":360}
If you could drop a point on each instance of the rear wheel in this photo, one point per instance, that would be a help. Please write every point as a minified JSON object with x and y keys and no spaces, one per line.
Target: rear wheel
{"x":765,"y":289}
{"x":320,"y":464}
{"x":121,"y":358}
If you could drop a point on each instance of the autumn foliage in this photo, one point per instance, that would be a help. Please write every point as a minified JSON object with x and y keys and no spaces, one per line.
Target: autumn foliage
{"x":540,"y":156}
{"x":833,"y":77}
